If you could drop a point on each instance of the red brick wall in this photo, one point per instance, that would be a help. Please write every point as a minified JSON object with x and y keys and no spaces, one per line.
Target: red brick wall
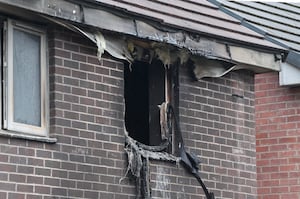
{"x":87,"y":118}
{"x":278,"y":138}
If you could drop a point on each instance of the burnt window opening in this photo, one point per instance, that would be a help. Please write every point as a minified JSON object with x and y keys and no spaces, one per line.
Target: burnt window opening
{"x":145,"y":90}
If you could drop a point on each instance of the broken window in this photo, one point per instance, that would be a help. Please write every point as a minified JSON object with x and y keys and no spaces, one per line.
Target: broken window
{"x":24,"y":78}
{"x":148,"y":90}
{"x":145,"y":89}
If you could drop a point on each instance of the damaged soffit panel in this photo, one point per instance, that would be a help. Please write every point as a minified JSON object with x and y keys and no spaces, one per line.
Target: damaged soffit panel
{"x":192,"y":16}
{"x":198,"y":26}
{"x":194,"y":25}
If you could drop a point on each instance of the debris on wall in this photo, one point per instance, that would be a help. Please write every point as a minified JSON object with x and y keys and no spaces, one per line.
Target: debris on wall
{"x":129,"y":49}
{"x":101,"y":44}
{"x":138,"y":163}
{"x":210,"y":68}
{"x":139,"y":155}
{"x":162,"y":183}
{"x":209,"y":57}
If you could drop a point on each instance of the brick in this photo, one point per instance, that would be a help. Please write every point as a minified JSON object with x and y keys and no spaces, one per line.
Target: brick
{"x":295,"y":160}
{"x":34,"y":179}
{"x":83,"y":185}
{"x":59,"y":192}
{"x":71,"y":98}
{"x":51,"y":181}
{"x":87,"y":84}
{"x":30,"y":196}
{"x":79,"y":74}
{"x":7,"y":167}
{"x":91,"y":194}
{"x":79,"y":142}
{"x":77,"y":158}
{"x":93,"y":60}
{"x":88,"y":51}
{"x":75,"y":193}
{"x":79,"y":108}
{"x":94,"y":77}
{"x":71,"y":81}
{"x":7,"y":186}
{"x":52,"y":164}
{"x":284,"y":101}
{"x":17,"y":178}
{"x":79,"y":125}
{"x":92,"y":160}
{"x":42,"y":171}
{"x":87,"y":101}
{"x":16,"y":196}
{"x":288,"y":140}
{"x":68,"y":166}
{"x":62,"y":53}
{"x":87,"y":67}
{"x":71,"y":47}
{"x":71,"y":64}
{"x":270,"y":169}
{"x":71,"y":115}
{"x":78,"y":57}
{"x":87,"y":134}
{"x":60,"y":174}
{"x":25,"y":188}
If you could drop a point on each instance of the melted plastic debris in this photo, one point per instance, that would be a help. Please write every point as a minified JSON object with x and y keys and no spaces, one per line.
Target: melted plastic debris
{"x":138,"y":163}
{"x":101,"y":44}
{"x":210,"y":68}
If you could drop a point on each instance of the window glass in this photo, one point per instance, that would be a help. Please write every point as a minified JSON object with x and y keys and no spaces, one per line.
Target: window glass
{"x":26,"y":78}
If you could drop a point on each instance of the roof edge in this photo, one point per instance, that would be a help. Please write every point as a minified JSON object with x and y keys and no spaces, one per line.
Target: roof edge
{"x":290,"y":55}
{"x":213,"y":48}
{"x":293,"y":58}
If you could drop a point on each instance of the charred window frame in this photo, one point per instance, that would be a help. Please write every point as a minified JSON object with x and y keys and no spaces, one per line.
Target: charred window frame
{"x":147,"y":86}
{"x":24,"y":72}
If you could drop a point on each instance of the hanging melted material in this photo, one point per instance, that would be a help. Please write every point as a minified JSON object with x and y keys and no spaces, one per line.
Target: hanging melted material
{"x":139,"y":155}
{"x":209,"y":57}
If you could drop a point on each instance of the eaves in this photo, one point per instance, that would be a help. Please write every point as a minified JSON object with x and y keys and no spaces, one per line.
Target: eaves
{"x":253,"y":55}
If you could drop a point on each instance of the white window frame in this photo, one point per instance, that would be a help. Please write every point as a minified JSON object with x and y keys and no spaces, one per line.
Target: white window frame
{"x":8,"y":98}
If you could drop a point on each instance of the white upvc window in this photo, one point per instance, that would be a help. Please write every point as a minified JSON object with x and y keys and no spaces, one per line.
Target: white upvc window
{"x":25,"y":87}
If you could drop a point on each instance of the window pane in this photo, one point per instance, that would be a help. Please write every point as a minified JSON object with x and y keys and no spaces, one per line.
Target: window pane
{"x":26,"y":78}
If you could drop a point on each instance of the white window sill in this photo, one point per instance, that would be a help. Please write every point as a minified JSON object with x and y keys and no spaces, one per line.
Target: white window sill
{"x":11,"y":134}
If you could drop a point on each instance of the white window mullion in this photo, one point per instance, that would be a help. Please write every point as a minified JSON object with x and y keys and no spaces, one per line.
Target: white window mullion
{"x":8,"y":75}
{"x":4,"y":75}
{"x":44,"y":85}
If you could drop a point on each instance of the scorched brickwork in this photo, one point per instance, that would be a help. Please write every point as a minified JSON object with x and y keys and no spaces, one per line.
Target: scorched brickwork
{"x":87,"y":118}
